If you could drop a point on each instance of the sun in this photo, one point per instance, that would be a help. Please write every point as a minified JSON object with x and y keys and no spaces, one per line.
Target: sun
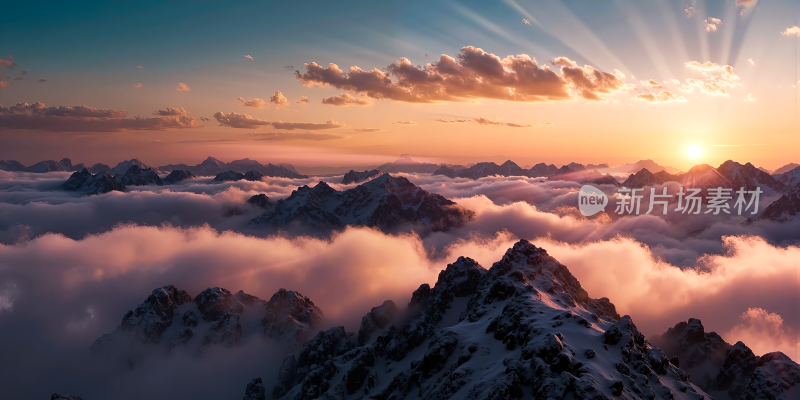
{"x":693,"y":151}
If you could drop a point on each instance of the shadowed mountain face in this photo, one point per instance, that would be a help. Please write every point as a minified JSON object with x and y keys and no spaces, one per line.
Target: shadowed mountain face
{"x":729,"y":372}
{"x":406,"y":164}
{"x":387,"y":203}
{"x":356,"y":177}
{"x":524,"y":328}
{"x":212,"y":167}
{"x":89,"y":184}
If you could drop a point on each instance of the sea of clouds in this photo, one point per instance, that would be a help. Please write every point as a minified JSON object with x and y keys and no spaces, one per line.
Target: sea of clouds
{"x":71,"y":266}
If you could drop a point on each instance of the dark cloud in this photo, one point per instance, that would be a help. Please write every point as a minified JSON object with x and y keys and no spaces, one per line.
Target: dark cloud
{"x":472,"y":74}
{"x":171,"y":112}
{"x":302,"y":100}
{"x":19,"y":78}
{"x":90,"y":119}
{"x":41,"y":80}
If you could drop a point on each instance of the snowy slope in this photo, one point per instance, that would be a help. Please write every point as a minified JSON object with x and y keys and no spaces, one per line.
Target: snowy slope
{"x":522,"y":329}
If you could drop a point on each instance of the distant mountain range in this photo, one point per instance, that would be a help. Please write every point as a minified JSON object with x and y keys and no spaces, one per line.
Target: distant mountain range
{"x":387,"y":203}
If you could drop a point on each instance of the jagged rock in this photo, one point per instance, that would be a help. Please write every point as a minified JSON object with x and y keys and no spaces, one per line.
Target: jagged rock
{"x":137,"y":176}
{"x":213,"y":302}
{"x":286,"y":376}
{"x":378,"y":318}
{"x":189,"y":319}
{"x":738,"y":367}
{"x":229,"y":176}
{"x":253,"y":176}
{"x":89,"y":184}
{"x":358,"y":177}
{"x":151,"y":318}
{"x":178,"y":175}
{"x":260,"y":200}
{"x":211,"y":166}
{"x":255,"y":390}
{"x":290,"y":314}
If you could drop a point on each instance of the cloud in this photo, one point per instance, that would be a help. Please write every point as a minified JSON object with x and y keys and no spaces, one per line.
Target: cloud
{"x":19,"y":78}
{"x":793,"y":31}
{"x":3,"y":84}
{"x":750,"y":97}
{"x":7,"y":63}
{"x":370,"y":130}
{"x":405,"y":123}
{"x":204,"y":119}
{"x":473,"y":74}
{"x":487,"y":121}
{"x":450,"y":121}
{"x":24,"y":72}
{"x":652,"y":83}
{"x":284,"y":136}
{"x":302,"y":100}
{"x":619,"y":74}
{"x":278,"y":99}
{"x":330,"y":124}
{"x":289,"y":67}
{"x":686,"y":88}
{"x":674,"y":81}
{"x":139,"y":67}
{"x":220,"y":141}
{"x":256,"y":102}
{"x":172,"y":111}
{"x":83,"y":118}
{"x":183,"y":87}
{"x":689,"y":11}
{"x":137,"y":85}
{"x":663,"y":96}
{"x":712,"y":24}
{"x":236,"y":120}
{"x":716,"y":78}
{"x":764,"y":332}
{"x":750,"y":60}
{"x":526,"y":21}
{"x":41,"y":80}
{"x":248,"y":56}
{"x":344,"y":99}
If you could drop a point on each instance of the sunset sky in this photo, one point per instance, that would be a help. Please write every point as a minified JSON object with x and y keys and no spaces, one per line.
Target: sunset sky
{"x":532,"y":81}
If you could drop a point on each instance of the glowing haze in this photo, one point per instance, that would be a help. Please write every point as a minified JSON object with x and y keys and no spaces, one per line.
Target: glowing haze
{"x":354,"y":84}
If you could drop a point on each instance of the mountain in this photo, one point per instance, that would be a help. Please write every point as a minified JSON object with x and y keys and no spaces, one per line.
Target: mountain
{"x":525,"y":328}
{"x":542,"y":169}
{"x":170,"y":318}
{"x":99,"y":168}
{"x":789,"y":178}
{"x":650,"y":165}
{"x":235,"y":176}
{"x":212,"y":167}
{"x":406,"y":164}
{"x":260,"y":200}
{"x":51,"y":165}
{"x":178,"y":175}
{"x":784,"y":209}
{"x":785,"y":168}
{"x":565,"y":173}
{"x":729,"y":372}
{"x":89,"y":184}
{"x":446,"y":171}
{"x":749,"y":177}
{"x":123,"y":167}
{"x":387,"y":203}
{"x":596,"y":166}
{"x":645,"y":178}
{"x":137,"y":176}
{"x":11,"y":165}
{"x":704,"y":176}
{"x":356,"y":177}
